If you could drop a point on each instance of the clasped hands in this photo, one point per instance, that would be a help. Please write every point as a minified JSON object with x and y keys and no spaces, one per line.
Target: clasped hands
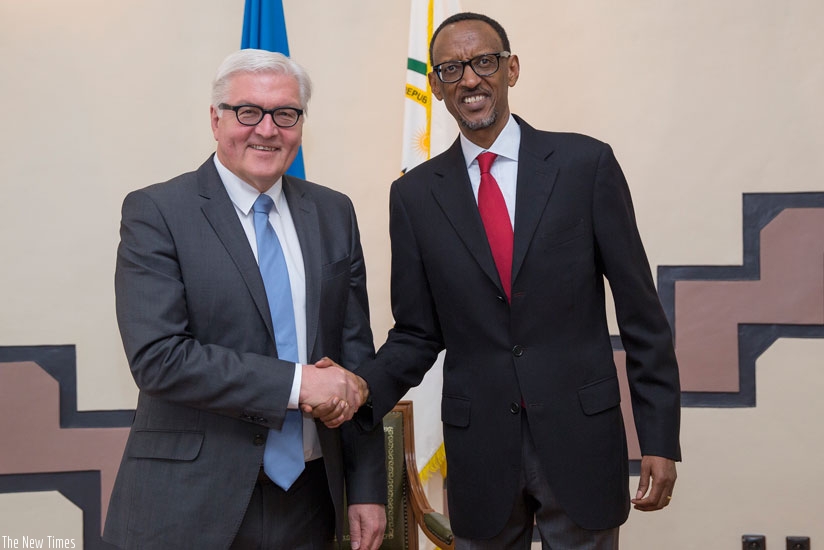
{"x":331,"y":393}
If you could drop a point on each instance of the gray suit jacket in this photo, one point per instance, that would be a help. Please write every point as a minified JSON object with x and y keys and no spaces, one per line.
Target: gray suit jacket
{"x":550,"y":347}
{"x":198,"y":335}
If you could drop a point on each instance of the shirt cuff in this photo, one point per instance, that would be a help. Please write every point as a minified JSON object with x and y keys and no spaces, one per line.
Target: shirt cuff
{"x":294,"y":396}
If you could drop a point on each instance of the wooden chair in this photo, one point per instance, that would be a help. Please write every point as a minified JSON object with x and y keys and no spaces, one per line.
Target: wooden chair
{"x":407,"y":506}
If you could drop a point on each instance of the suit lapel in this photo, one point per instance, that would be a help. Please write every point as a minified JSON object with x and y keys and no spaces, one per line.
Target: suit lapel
{"x":537,"y":172}
{"x":453,"y":192}
{"x":305,"y":217}
{"x":220,"y":212}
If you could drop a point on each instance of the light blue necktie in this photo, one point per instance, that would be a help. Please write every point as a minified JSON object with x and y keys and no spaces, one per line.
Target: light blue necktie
{"x":283,"y":455}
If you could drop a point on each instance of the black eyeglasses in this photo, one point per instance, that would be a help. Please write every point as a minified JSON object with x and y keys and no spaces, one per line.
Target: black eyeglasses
{"x":251,"y":115}
{"x":484,"y":65}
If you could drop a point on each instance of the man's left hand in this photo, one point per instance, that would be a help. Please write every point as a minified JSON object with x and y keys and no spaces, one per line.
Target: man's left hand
{"x":367,"y":523}
{"x":656,"y":483}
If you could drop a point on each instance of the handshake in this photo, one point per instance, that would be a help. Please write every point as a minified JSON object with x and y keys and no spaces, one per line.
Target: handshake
{"x":331,"y":393}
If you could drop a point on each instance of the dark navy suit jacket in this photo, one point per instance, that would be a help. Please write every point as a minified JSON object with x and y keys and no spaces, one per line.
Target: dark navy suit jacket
{"x":549,"y":348}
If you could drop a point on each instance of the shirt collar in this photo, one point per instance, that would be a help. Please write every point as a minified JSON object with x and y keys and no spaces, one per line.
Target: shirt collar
{"x":506,"y":144}
{"x":242,"y":194}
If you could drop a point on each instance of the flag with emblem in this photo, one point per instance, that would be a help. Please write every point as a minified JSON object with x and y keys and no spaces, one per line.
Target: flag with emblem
{"x":428,"y":130}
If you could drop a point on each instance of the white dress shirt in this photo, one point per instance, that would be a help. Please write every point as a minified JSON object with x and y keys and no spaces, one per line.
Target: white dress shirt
{"x":505,"y":167}
{"x":243,"y":196}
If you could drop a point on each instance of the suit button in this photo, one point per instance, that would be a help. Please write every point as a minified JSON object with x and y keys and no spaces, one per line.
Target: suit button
{"x":259,"y":440}
{"x":501,"y":298}
{"x":517,"y":351}
{"x":514,"y":408}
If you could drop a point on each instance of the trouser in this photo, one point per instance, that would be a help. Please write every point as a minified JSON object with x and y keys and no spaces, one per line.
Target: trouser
{"x":536,"y":504}
{"x":302,"y":518}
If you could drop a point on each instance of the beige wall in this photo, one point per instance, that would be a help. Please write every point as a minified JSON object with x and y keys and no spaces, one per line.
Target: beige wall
{"x":702,"y":101}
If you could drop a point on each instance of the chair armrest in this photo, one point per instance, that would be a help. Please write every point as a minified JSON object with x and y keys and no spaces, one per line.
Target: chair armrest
{"x":437,"y":525}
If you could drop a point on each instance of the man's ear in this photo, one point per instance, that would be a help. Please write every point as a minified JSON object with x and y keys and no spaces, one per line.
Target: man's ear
{"x":435,"y":84}
{"x":514,"y":68}
{"x":215,"y":119}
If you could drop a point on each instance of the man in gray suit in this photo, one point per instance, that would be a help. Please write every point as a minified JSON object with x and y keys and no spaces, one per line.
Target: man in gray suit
{"x":199,"y":325}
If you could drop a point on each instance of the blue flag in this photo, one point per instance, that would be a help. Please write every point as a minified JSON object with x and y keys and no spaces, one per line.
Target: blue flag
{"x":264,"y":28}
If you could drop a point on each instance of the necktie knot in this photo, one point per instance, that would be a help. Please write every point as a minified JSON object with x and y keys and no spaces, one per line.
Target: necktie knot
{"x":485,"y":161}
{"x":263,"y":204}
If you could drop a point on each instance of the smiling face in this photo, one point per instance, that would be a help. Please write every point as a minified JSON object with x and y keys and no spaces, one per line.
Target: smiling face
{"x":480,"y":104}
{"x":261,"y":154}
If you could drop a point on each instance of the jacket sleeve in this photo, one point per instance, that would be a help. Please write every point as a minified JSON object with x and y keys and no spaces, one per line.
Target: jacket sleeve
{"x":651,"y":365}
{"x":413,"y":344}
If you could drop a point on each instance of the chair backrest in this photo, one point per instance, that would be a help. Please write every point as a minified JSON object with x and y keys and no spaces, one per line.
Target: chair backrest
{"x":407,"y":508}
{"x":401,"y":531}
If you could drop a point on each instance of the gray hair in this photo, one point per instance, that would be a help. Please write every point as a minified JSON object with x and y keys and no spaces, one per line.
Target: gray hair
{"x":258,"y":61}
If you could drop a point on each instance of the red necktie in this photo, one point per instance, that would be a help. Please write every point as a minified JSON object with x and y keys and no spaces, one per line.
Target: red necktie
{"x":492,"y":207}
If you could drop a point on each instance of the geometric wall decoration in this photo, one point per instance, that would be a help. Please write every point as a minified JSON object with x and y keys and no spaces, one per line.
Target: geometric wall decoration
{"x":725,"y":317}
{"x":47,"y":444}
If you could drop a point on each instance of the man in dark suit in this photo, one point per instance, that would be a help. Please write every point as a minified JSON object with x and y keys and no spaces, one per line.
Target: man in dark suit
{"x":504,"y":268}
{"x":203,"y":331}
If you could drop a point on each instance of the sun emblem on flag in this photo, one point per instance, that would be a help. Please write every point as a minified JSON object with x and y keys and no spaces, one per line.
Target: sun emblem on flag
{"x":421,"y":143}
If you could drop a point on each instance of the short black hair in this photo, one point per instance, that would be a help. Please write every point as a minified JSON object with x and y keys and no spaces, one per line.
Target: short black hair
{"x":469,"y":16}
